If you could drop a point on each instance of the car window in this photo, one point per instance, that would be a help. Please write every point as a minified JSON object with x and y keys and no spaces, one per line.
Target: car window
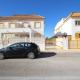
{"x":26,"y":45}
{"x":17,"y":45}
{"x":21,"y":45}
{"x":29,"y":44}
{"x":14,"y":45}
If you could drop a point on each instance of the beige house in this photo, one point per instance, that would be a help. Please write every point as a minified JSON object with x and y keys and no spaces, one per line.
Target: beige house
{"x":71,"y":26}
{"x":19,"y":28}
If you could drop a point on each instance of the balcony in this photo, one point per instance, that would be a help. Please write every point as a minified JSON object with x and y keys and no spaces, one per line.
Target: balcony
{"x":15,"y":30}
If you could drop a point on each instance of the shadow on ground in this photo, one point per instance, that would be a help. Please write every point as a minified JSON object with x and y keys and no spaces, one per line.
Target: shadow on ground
{"x":46,"y":54}
{"x":41,"y":55}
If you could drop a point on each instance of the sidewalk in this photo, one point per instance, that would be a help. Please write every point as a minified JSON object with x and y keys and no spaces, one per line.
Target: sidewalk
{"x":61,"y":50}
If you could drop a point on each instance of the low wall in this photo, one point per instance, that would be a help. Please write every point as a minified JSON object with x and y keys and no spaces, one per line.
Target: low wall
{"x":62,"y":42}
{"x":39,"y":41}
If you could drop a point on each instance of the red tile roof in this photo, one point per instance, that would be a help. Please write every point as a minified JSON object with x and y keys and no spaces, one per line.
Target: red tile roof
{"x":22,"y":17}
{"x":75,"y":14}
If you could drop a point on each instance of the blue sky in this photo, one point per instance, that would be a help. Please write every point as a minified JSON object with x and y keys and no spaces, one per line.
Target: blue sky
{"x":53,"y":10}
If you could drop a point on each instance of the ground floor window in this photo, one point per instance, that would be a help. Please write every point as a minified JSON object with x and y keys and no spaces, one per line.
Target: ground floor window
{"x":21,"y":35}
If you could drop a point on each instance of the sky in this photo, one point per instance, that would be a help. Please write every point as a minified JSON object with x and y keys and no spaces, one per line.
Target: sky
{"x":52,"y":10}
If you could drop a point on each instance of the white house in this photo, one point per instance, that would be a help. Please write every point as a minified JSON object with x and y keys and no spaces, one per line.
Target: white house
{"x":71,"y":26}
{"x":19,"y":28}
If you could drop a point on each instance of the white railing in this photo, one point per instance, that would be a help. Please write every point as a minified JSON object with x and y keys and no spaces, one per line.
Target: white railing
{"x":11,"y":30}
{"x":14,"y":40}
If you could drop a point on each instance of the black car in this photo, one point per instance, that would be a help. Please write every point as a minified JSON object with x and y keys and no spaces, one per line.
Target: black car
{"x":21,"y":49}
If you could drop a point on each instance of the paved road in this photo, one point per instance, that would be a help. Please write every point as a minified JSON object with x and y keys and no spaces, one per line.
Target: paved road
{"x":48,"y":66}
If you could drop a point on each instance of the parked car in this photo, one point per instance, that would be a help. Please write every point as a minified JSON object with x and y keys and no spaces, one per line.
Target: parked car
{"x":21,"y":49}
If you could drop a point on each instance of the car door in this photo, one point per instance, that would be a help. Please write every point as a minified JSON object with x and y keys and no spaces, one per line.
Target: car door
{"x":21,"y":49}
{"x":15,"y":50}
{"x":27,"y":47}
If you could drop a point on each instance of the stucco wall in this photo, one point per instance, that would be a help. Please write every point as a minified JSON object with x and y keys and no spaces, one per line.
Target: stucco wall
{"x":40,"y":30}
{"x":62,"y":42}
{"x":6,"y":24}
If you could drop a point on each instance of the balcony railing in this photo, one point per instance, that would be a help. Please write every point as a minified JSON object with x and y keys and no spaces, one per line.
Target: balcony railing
{"x":14,"y":30}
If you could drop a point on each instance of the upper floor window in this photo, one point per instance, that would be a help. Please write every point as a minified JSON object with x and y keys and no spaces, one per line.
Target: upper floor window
{"x":12,"y":25}
{"x":77,"y":22}
{"x":1,"y":25}
{"x":26,"y":25}
{"x":37,"y":25}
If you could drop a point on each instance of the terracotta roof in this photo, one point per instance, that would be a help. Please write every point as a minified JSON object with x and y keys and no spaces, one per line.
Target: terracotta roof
{"x":75,"y":14}
{"x":21,"y":17}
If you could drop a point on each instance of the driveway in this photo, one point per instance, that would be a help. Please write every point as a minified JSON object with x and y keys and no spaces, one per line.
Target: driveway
{"x":48,"y":66}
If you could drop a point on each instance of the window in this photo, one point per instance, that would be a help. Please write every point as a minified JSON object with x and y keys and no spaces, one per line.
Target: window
{"x":27,"y":44}
{"x":26,"y":25}
{"x":1,"y":25}
{"x":22,"y":45}
{"x":22,"y":35}
{"x":16,"y":46}
{"x":12,"y":25}
{"x":37,"y":25}
{"x":77,"y":22}
{"x":37,"y":35}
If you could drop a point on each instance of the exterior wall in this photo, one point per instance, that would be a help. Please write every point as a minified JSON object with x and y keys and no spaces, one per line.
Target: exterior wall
{"x":66,"y":27}
{"x":6,"y":24}
{"x":58,"y":25}
{"x":72,"y":28}
{"x":69,"y":27}
{"x":62,"y":43}
{"x":75,"y":29}
{"x":40,"y":41}
{"x":41,"y":29}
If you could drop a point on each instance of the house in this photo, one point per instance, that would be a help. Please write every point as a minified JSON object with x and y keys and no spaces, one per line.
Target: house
{"x":71,"y":26}
{"x":19,"y":28}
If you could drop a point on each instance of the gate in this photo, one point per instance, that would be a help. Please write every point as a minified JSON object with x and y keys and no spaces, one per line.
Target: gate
{"x":74,"y":44}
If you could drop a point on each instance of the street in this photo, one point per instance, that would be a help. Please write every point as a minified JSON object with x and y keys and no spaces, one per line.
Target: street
{"x":48,"y":66}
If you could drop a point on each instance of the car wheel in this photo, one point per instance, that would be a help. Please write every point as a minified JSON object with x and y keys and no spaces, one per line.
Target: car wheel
{"x":31,"y":55}
{"x":1,"y":56}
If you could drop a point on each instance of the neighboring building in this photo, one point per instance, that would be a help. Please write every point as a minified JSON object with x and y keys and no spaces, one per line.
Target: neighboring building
{"x":71,"y":26}
{"x":19,"y":28}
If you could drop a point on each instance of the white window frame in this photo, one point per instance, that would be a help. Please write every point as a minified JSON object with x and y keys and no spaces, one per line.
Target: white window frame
{"x":37,"y":25}
{"x":77,"y":22}
{"x":11,"y":24}
{"x":1,"y":27}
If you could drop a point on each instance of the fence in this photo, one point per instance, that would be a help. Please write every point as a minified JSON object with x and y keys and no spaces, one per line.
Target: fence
{"x":39,"y":41}
{"x":74,"y":44}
